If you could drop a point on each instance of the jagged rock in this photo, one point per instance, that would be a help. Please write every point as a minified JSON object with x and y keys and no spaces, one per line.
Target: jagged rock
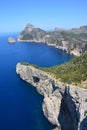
{"x":64,"y":105}
{"x":31,"y":33}
{"x":51,"y":108}
{"x":11,"y":40}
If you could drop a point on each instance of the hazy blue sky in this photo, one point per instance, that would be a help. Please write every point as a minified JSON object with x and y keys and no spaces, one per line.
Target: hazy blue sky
{"x":47,"y":14}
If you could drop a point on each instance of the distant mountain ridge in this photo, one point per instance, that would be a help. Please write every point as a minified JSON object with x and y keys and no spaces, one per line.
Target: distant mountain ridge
{"x":73,"y":41}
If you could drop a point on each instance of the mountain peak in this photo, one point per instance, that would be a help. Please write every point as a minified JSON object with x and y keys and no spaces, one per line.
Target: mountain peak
{"x":29,"y":25}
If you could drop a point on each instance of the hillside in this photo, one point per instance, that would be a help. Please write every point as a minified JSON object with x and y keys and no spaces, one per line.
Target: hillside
{"x":73,"y":72}
{"x":31,"y":33}
{"x":73,"y":41}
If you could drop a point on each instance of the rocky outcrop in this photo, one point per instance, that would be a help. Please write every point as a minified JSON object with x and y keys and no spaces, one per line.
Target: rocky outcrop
{"x":31,"y":33}
{"x":65,"y":106}
{"x":73,"y":41}
{"x":11,"y":40}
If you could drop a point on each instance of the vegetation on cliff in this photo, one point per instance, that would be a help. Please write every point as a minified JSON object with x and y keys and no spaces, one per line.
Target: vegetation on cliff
{"x":31,"y":33}
{"x":74,"y":71}
{"x":69,"y":40}
{"x":73,"y":41}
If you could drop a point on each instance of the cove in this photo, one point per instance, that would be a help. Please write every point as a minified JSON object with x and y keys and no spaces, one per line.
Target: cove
{"x":20,"y":104}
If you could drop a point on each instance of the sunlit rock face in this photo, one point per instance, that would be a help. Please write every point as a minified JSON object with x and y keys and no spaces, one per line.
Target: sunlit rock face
{"x":11,"y":40}
{"x":65,"y":106}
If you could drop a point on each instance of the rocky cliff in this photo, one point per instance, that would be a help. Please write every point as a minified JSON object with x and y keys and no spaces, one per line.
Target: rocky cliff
{"x":65,"y":106}
{"x":73,"y":41}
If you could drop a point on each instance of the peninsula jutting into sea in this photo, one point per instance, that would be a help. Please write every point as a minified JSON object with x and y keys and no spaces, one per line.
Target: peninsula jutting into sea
{"x":64,"y":87}
{"x":43,"y":65}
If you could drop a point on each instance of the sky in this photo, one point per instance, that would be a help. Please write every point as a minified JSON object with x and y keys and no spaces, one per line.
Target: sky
{"x":46,"y":14}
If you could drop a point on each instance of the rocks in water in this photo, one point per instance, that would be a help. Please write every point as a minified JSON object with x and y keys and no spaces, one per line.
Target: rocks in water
{"x":11,"y":40}
{"x":65,"y":106}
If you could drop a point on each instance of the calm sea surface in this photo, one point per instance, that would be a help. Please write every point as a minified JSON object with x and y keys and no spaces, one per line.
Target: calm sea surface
{"x":20,"y":104}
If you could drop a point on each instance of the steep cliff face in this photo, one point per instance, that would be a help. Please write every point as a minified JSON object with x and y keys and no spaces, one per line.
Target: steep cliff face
{"x":31,"y":33}
{"x":64,"y":106}
{"x":73,"y":41}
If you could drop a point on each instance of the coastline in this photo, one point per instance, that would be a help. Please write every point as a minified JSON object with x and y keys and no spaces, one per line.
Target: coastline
{"x":54,"y":91}
{"x":74,"y":52}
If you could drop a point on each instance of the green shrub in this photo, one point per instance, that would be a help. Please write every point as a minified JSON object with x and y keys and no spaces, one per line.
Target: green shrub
{"x":24,"y":63}
{"x":86,"y":100}
{"x":74,"y":71}
{"x":85,"y":112}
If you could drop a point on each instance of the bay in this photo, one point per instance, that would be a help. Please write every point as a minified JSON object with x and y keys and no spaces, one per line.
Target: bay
{"x":20,"y":104}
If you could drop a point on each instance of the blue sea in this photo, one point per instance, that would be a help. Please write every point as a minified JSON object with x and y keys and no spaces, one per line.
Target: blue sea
{"x":20,"y":104}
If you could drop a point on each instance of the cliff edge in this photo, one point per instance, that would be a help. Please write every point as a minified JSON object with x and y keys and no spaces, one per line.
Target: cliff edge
{"x":65,"y":106}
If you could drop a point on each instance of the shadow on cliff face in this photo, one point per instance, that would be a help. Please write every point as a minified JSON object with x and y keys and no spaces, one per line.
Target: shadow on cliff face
{"x":67,"y":120}
{"x":83,"y":125}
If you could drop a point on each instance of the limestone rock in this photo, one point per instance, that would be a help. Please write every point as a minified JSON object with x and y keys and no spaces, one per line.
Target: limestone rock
{"x":64,"y":105}
{"x":11,"y":40}
{"x":51,"y":108}
{"x":73,"y":41}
